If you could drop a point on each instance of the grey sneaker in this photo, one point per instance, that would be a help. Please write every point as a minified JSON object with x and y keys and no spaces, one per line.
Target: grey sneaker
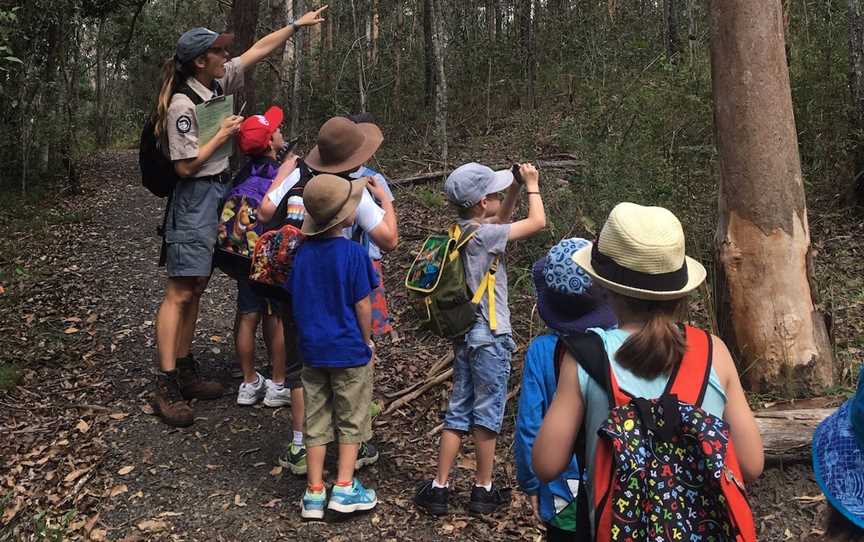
{"x":368,"y":455}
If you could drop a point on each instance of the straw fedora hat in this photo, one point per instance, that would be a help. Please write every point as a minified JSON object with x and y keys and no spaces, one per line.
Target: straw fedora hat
{"x":329,"y":200}
{"x":640,"y":253}
{"x":343,"y":146}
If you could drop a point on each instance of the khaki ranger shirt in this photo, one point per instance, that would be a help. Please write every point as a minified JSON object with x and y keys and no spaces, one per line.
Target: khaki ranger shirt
{"x":182,"y":126}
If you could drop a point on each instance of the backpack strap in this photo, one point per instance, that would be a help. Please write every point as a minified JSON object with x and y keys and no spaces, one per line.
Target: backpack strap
{"x":690,"y":380}
{"x":187,"y":91}
{"x":487,"y":283}
{"x":590,"y":354}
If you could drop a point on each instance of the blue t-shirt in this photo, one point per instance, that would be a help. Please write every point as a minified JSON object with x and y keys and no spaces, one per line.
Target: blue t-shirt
{"x":330,"y":275}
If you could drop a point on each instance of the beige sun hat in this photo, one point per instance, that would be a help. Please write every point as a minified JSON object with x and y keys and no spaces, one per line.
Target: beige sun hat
{"x":640,"y":253}
{"x":329,"y":200}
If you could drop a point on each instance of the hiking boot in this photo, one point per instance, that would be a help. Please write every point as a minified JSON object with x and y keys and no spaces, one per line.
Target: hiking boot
{"x":276,"y":395}
{"x":168,"y":402}
{"x":486,"y":502}
{"x":312,"y":504}
{"x":366,"y":455}
{"x":294,"y":459}
{"x":432,"y":499}
{"x":192,"y":386}
{"x":353,"y":498}
{"x":250,"y":393}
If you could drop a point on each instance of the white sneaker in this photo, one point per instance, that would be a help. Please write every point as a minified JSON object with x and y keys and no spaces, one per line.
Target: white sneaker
{"x":249,"y":394}
{"x":276,"y":396}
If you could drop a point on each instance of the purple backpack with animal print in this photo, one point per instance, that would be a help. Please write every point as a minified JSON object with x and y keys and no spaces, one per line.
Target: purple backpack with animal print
{"x":239,"y":227}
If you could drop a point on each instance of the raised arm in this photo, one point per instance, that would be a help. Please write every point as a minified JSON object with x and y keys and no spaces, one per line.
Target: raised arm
{"x":386,"y":233}
{"x":505,"y":213}
{"x":270,"y":42}
{"x":536,"y":219}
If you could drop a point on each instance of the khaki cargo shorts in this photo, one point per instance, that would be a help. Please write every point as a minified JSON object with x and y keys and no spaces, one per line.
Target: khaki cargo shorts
{"x":337,"y":401}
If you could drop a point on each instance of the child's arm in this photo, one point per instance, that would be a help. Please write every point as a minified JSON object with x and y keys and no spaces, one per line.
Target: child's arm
{"x":265,"y":212}
{"x":536,"y":220}
{"x":363,"y":310}
{"x":742,"y":424}
{"x":505,"y":213}
{"x":553,"y":447}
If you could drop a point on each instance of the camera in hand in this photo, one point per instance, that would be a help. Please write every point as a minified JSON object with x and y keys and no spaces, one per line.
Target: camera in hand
{"x":286,"y":148}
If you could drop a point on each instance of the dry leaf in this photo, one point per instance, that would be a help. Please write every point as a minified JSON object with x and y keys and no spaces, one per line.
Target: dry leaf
{"x":71,"y":330}
{"x":98,"y":535}
{"x":74,"y":475}
{"x":72,"y":319}
{"x":92,"y":318}
{"x":169,"y":514}
{"x":118,"y":490}
{"x":277,"y":470}
{"x":147,"y":409}
{"x":118,"y":415}
{"x":271,"y":504}
{"x":238,"y":501}
{"x":147,"y":455}
{"x":126,"y":470}
{"x":88,"y":526}
{"x":152,"y":525}
{"x":212,"y":467}
{"x":82,"y":426}
{"x":11,"y":511}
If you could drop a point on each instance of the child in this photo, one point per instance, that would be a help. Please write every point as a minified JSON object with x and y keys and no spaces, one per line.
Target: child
{"x":260,"y":138}
{"x":481,"y":366}
{"x":330,"y":286}
{"x":639,"y":257}
{"x":568,"y":303}
{"x":838,"y":462}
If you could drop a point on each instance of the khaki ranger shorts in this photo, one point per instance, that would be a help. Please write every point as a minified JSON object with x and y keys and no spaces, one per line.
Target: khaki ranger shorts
{"x":337,"y":400}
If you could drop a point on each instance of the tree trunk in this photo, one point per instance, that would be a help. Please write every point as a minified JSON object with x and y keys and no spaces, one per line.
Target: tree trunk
{"x":670,"y":29}
{"x":374,"y":33}
{"x":296,"y":96}
{"x":361,"y":72}
{"x":244,"y":22}
{"x":428,"y":55}
{"x":100,"y":124}
{"x":438,"y":51}
{"x":856,"y":87}
{"x":490,"y":20}
{"x":286,"y":66}
{"x":766,"y":309}
{"x":525,"y":16}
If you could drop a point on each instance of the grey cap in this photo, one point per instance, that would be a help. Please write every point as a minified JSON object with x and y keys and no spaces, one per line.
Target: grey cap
{"x":194,"y":43}
{"x":469,"y":183}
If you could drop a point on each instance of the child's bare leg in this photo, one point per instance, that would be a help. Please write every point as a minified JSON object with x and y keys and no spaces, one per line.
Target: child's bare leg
{"x":315,"y":466}
{"x":244,"y":343}
{"x":451,"y":442}
{"x":275,"y":340}
{"x":347,"y":459}
{"x":484,"y":442}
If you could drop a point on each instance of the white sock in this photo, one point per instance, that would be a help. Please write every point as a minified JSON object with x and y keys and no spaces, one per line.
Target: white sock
{"x":436,"y":485}
{"x":298,"y":438}
{"x":279,"y":386}
{"x":255,"y":382}
{"x":487,"y":487}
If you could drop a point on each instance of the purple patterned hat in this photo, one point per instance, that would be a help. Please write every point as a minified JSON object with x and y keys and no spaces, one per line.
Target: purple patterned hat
{"x":838,"y":457}
{"x":567,"y":300}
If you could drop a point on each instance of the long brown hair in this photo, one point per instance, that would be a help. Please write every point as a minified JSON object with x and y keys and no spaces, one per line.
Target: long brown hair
{"x":174,"y":74}
{"x":659,"y":346}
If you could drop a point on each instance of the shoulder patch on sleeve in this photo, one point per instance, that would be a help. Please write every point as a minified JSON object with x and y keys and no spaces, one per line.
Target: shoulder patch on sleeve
{"x":184,"y":124}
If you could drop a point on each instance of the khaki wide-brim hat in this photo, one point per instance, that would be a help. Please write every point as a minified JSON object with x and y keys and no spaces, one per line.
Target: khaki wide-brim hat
{"x":343,"y":146}
{"x":329,"y":200}
{"x":640,"y":254}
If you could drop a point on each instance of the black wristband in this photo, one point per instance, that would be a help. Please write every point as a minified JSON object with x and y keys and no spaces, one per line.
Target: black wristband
{"x":529,"y":193}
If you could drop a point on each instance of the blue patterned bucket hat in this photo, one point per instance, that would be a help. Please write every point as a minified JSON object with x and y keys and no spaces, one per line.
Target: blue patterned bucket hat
{"x":567,"y":299}
{"x":838,"y":457}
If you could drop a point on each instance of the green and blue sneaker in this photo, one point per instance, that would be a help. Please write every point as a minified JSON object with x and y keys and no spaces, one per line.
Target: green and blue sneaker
{"x":294,"y":459}
{"x":353,"y":498}
{"x":312,"y":505}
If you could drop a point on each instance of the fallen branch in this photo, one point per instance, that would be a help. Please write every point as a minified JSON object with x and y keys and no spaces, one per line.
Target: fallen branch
{"x":437,"y":367}
{"x":436,"y":175}
{"x":789,"y":432}
{"x":417,"y":393}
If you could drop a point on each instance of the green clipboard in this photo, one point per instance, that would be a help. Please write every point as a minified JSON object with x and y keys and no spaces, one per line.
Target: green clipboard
{"x":210,"y":115}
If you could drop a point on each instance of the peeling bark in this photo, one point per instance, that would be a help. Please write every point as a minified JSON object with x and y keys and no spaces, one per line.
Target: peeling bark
{"x":766,"y":309}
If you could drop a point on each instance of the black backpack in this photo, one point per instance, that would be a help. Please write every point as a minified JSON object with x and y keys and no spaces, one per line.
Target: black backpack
{"x":157,"y":170}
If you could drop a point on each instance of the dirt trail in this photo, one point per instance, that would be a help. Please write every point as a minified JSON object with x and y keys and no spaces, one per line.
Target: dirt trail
{"x":216,"y":480}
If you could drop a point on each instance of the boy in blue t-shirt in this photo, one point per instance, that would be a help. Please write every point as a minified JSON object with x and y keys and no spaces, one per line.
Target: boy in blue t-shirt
{"x":330,"y":286}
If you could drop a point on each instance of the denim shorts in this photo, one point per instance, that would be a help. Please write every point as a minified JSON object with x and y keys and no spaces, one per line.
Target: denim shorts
{"x":481,"y":369}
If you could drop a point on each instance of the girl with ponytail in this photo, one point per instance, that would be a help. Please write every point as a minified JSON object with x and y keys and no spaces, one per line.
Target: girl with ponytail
{"x":639,"y":259}
{"x":198,"y":71}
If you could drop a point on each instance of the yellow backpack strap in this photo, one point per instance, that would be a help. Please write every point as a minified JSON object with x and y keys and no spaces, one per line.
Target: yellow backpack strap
{"x":461,"y":237}
{"x":487,"y":286}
